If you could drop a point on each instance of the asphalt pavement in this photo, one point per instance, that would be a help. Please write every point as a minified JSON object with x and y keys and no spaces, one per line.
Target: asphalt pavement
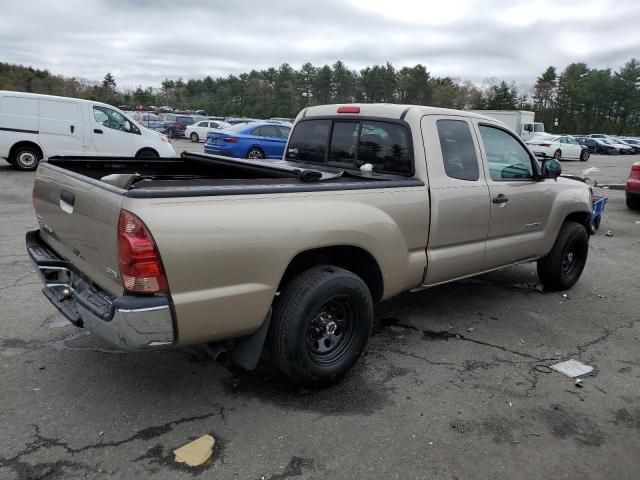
{"x":454,"y":384}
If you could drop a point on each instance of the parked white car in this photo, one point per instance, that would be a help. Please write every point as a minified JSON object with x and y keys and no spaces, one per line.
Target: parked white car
{"x":34,"y":126}
{"x":560,"y":147}
{"x":198,"y":131}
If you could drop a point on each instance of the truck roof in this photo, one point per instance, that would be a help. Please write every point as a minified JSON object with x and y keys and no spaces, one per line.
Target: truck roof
{"x":385,"y":110}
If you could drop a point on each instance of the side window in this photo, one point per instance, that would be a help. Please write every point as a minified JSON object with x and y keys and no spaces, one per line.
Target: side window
{"x":386,"y":146}
{"x":203,"y":124}
{"x":507,"y":158}
{"x":213,"y":125}
{"x":458,"y":150}
{"x":111,"y":119}
{"x":344,"y":143}
{"x":309,"y":140}
{"x":283,"y":132}
{"x":258,"y":132}
{"x":269,"y":131}
{"x":563,"y":140}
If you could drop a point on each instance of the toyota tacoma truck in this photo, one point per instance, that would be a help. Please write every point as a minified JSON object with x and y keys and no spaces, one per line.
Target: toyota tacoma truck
{"x":369,"y":201}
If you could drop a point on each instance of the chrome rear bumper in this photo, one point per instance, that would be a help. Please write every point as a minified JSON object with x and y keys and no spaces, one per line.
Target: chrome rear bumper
{"x":128,"y":322}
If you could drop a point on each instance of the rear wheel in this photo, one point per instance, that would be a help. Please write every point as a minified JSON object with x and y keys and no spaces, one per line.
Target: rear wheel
{"x":194,"y":137}
{"x":255,"y":153}
{"x":321,"y":323}
{"x":584,"y":156}
{"x":26,"y":158}
{"x":557,"y":155}
{"x":563,"y":265}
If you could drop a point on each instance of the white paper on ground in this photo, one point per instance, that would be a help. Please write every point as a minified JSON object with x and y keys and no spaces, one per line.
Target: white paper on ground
{"x":572,"y":368}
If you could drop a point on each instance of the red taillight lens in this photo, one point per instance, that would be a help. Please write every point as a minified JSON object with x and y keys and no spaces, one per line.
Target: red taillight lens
{"x":544,"y":144}
{"x":231,"y":139}
{"x":140,"y":264}
{"x":349,"y":109}
{"x":635,"y":171}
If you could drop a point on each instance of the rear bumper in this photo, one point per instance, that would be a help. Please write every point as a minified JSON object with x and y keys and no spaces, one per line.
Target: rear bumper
{"x":128,"y":322}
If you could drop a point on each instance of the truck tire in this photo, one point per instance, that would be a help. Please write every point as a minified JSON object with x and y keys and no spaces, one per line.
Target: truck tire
{"x":26,"y":158}
{"x":563,"y":265}
{"x":321,"y":323}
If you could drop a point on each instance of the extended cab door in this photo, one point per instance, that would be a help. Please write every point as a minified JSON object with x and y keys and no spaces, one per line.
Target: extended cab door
{"x":113,"y":134}
{"x":459,"y":199}
{"x":520,"y":204}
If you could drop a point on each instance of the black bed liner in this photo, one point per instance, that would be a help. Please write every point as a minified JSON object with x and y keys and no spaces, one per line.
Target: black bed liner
{"x":197,"y":175}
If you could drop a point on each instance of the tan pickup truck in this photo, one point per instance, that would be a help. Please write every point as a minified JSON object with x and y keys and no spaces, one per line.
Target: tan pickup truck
{"x":369,"y":201}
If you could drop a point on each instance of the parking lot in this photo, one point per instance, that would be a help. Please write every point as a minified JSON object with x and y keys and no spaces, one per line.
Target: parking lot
{"x":454,"y":382}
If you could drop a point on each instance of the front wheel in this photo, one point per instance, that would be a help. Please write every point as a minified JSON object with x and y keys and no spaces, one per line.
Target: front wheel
{"x":321,"y":323}
{"x":584,"y":156}
{"x":194,"y":137}
{"x":563,"y":265}
{"x":26,"y":158}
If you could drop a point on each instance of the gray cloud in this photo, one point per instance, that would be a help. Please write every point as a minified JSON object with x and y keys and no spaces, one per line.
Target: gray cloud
{"x":144,"y":41}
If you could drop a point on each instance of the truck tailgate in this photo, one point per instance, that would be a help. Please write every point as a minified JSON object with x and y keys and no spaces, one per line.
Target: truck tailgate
{"x":78,"y":219}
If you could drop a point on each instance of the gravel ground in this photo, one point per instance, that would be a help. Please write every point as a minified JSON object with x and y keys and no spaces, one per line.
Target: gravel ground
{"x":454,"y":383}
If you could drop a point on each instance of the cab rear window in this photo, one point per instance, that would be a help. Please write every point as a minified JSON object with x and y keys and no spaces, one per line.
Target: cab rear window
{"x":352,"y":143}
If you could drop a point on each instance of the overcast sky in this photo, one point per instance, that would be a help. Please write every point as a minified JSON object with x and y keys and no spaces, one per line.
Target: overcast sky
{"x":143,"y":41}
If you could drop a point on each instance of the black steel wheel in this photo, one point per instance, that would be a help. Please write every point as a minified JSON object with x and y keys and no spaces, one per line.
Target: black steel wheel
{"x":321,"y":323}
{"x":561,"y":268}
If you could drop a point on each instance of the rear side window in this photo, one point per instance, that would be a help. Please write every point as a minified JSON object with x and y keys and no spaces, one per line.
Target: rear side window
{"x":458,"y":150}
{"x":309,"y":141}
{"x":352,"y":143}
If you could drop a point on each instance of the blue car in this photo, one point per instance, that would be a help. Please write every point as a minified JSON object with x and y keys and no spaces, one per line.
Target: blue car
{"x":249,"y":140}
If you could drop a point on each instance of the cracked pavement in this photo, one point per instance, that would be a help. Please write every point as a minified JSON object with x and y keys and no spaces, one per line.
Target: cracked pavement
{"x":454,"y":383}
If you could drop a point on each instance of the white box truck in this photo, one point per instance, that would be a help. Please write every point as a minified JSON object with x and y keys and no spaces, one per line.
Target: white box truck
{"x":35,"y":126}
{"x":520,"y":121}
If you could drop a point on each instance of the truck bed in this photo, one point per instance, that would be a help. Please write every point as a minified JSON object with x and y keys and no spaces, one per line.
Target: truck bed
{"x":196,"y":174}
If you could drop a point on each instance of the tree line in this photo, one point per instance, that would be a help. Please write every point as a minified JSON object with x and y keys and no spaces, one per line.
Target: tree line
{"x":578,"y":99}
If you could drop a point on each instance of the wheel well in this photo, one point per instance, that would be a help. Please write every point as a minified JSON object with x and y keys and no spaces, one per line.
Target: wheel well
{"x":256,"y":148}
{"x":350,"y":258}
{"x":18,"y":145}
{"x":144,"y":150}
{"x":582,"y":218}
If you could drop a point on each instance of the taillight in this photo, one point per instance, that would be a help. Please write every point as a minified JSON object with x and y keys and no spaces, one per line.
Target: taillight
{"x":231,"y":139}
{"x":349,"y":109}
{"x":544,"y":144}
{"x":140,"y":264}
{"x":635,"y":170}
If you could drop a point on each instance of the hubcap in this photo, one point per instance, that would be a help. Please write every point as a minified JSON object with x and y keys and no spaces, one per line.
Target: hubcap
{"x":331,"y":331}
{"x":27,"y":159}
{"x":255,"y":154}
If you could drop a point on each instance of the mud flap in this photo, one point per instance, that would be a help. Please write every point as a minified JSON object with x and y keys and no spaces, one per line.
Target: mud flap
{"x":247,"y":350}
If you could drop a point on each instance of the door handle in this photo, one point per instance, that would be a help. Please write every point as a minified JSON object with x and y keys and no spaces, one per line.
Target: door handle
{"x":72,"y":128}
{"x":500,"y":199}
{"x":97,"y":130}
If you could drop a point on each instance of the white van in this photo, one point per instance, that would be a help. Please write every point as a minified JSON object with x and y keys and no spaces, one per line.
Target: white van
{"x":37,"y":126}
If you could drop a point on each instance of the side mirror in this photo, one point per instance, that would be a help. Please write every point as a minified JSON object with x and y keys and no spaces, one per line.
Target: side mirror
{"x":551,"y":168}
